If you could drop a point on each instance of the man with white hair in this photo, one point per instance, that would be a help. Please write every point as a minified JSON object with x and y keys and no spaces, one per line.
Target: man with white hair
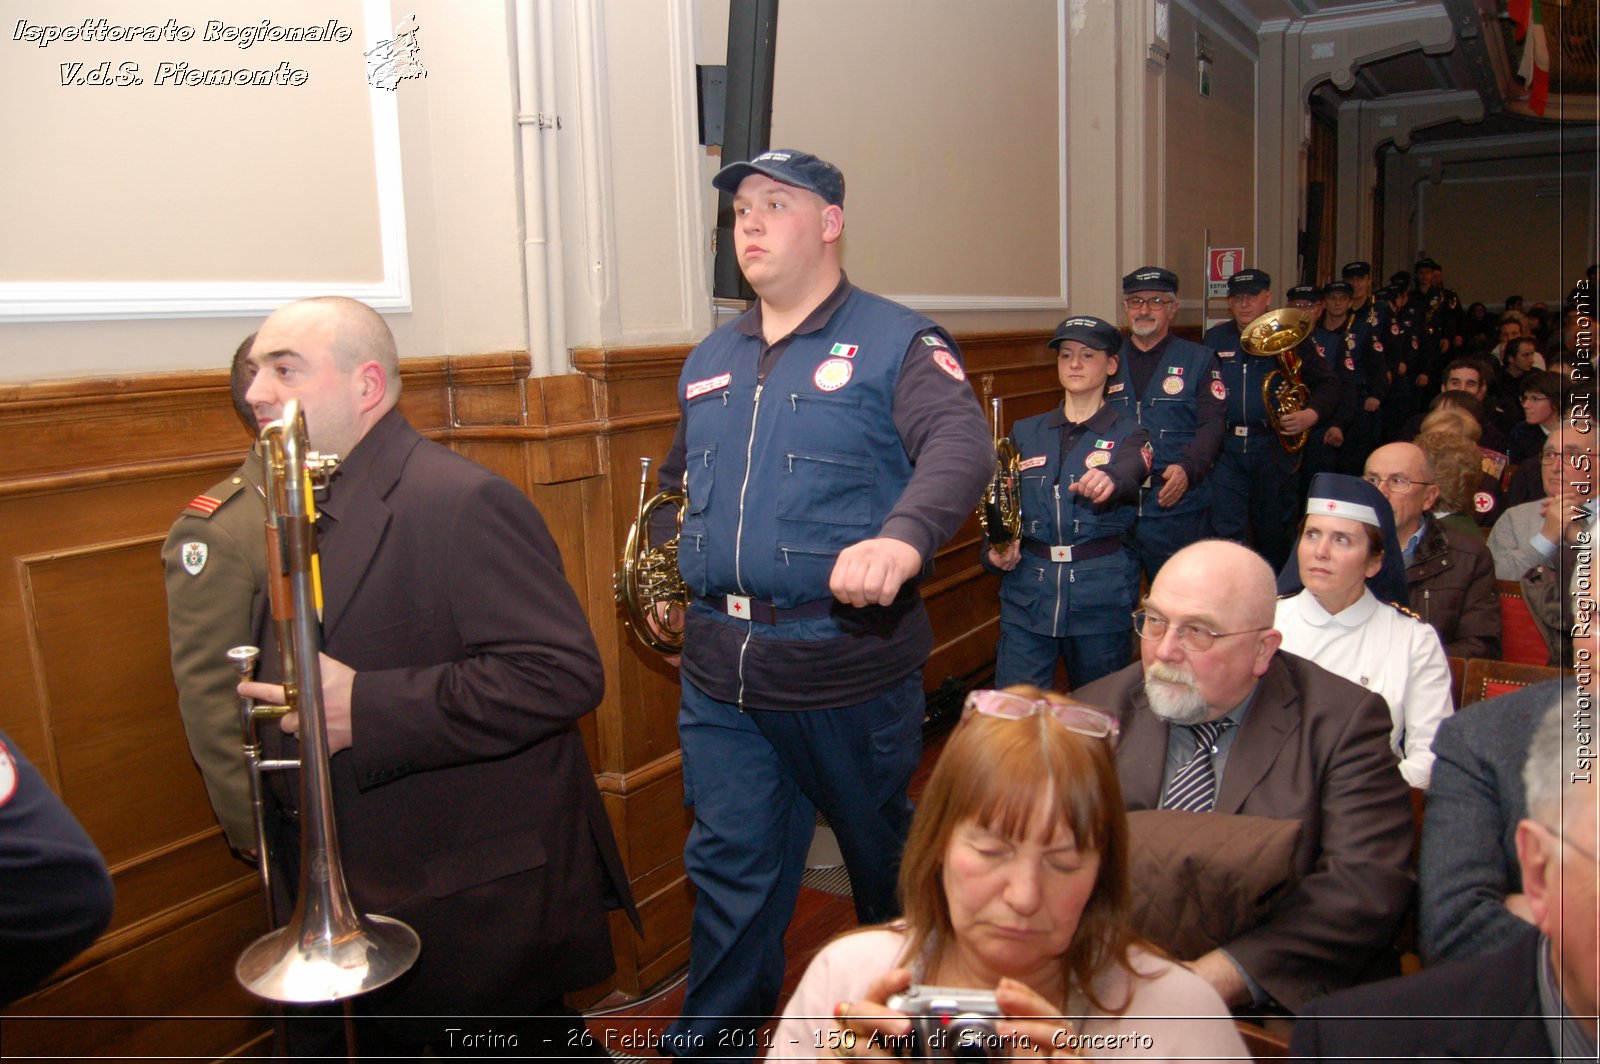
{"x":1532,"y":1000}
{"x":1216,"y":718}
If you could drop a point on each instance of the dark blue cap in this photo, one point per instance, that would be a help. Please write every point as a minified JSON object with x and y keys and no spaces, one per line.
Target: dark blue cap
{"x":1249,"y":282}
{"x":1338,"y":286}
{"x":1091,"y":332}
{"x":1426,"y":263}
{"x":1150,"y":279}
{"x":1339,"y":495}
{"x":1359,"y":268}
{"x":795,"y":168}
{"x":1308,"y":292}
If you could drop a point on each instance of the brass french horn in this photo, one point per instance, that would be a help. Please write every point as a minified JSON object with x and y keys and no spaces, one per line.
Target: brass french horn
{"x":1276,"y":334}
{"x":649,"y":585}
{"x":1001,"y":508}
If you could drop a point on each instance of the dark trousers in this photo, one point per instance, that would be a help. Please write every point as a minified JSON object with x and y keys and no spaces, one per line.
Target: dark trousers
{"x":756,"y":779}
{"x":1256,"y":498}
{"x":1028,"y":657}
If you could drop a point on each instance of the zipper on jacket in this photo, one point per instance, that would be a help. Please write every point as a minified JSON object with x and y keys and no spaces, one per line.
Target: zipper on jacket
{"x":738,"y":535}
{"x":1055,"y":627}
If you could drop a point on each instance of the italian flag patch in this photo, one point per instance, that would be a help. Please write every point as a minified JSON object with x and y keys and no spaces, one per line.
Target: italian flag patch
{"x":844,"y":350}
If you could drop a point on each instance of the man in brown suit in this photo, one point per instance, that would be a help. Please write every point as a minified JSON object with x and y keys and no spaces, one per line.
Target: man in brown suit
{"x":1216,"y":718}
{"x":456,"y":665}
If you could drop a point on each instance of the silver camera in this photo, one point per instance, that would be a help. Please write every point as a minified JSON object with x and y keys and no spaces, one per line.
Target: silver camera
{"x":948,"y":1023}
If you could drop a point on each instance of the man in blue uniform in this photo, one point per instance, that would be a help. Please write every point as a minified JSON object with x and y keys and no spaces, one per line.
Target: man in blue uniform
{"x":1327,"y":347}
{"x":1065,"y":592}
{"x":1169,"y":386}
{"x":1256,"y":500}
{"x":829,"y":443}
{"x":1349,"y":311}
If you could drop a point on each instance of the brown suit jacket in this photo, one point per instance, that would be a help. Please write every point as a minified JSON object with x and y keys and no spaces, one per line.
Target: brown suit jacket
{"x":466,"y":805}
{"x":1313,"y":747}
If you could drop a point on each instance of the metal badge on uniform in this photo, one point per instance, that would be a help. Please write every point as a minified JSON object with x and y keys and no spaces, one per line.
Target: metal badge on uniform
{"x":1219,"y":391}
{"x":1113,"y":389}
{"x":1172,"y":385}
{"x":947,"y":362}
{"x":1148,"y":453}
{"x":710,"y":384}
{"x":1061,"y":554}
{"x":1031,"y":463}
{"x":833,"y":374}
{"x":1096,"y":459}
{"x":739,"y":606}
{"x":1483,"y":502}
{"x":845,"y":350}
{"x":8,"y":775}
{"x":194,"y":556}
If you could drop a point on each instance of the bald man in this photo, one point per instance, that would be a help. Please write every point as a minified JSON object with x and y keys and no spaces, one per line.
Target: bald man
{"x":1214,"y":705}
{"x":1450,"y":581}
{"x":456,"y":665}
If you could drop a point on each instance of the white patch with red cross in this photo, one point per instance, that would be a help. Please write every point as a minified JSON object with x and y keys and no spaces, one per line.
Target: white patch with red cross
{"x":8,"y":775}
{"x":1483,"y":502}
{"x":947,"y":362}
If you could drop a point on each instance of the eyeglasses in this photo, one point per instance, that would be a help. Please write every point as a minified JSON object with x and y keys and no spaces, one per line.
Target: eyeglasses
{"x":1073,"y":717}
{"x":1534,"y":397}
{"x":1398,"y":483}
{"x":1589,"y":854}
{"x":1191,"y":637}
{"x":1551,"y":458}
{"x":1140,"y":302}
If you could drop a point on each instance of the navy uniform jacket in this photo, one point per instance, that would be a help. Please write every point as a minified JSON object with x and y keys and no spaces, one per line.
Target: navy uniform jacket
{"x":1363,"y":346}
{"x":1180,"y":404}
{"x":55,"y":893}
{"x":858,"y":424}
{"x":1329,"y":346}
{"x":1242,"y":376}
{"x":1074,"y":597}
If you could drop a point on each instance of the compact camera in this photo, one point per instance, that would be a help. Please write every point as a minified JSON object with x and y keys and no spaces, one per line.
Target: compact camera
{"x":948,"y":1023}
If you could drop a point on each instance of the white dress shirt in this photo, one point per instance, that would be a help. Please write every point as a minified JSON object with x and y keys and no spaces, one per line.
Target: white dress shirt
{"x":1384,"y":650}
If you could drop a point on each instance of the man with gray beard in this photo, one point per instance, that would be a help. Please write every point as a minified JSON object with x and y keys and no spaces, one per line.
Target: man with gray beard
{"x":1216,"y":719}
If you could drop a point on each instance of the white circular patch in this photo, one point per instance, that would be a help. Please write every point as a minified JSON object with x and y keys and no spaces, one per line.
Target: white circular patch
{"x":1218,"y":390}
{"x":1096,"y":459}
{"x":1483,"y":502}
{"x":8,"y":775}
{"x":833,"y":374}
{"x":1172,"y":385}
{"x":194,"y":556}
{"x":947,"y":362}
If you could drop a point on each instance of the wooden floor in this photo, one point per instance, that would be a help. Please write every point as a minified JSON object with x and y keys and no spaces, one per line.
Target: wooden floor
{"x":633,"y":1029}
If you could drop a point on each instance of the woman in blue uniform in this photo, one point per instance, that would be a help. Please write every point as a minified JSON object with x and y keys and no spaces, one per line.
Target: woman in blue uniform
{"x":1065,"y":591}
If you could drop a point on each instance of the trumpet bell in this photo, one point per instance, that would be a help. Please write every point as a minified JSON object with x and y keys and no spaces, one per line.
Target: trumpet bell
{"x":1276,"y":331}
{"x":297,"y":965}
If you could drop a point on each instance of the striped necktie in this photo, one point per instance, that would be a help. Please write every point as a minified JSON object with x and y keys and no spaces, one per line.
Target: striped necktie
{"x":1194,"y":786}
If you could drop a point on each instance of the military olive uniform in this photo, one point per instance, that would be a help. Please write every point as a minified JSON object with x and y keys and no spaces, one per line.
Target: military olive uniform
{"x":215,"y":557}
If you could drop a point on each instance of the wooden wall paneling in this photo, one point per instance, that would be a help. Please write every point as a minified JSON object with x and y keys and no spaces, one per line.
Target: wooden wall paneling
{"x":91,"y":475}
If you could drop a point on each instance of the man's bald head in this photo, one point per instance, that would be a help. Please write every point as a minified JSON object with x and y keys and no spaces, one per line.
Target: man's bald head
{"x":1239,"y":579}
{"x":360,"y":334}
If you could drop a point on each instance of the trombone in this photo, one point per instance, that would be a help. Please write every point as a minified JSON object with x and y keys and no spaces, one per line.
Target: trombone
{"x":327,"y":951}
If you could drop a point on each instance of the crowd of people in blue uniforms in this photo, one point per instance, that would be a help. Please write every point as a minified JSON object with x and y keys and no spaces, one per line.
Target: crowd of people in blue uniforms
{"x":1227,"y":458}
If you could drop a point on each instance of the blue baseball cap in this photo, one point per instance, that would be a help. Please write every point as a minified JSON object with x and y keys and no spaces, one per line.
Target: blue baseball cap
{"x":1249,"y":282}
{"x":1150,"y":279}
{"x":1091,"y":332}
{"x":795,"y":168}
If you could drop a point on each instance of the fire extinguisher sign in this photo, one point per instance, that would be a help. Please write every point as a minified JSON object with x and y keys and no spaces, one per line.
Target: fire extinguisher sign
{"x":1222,"y":263}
